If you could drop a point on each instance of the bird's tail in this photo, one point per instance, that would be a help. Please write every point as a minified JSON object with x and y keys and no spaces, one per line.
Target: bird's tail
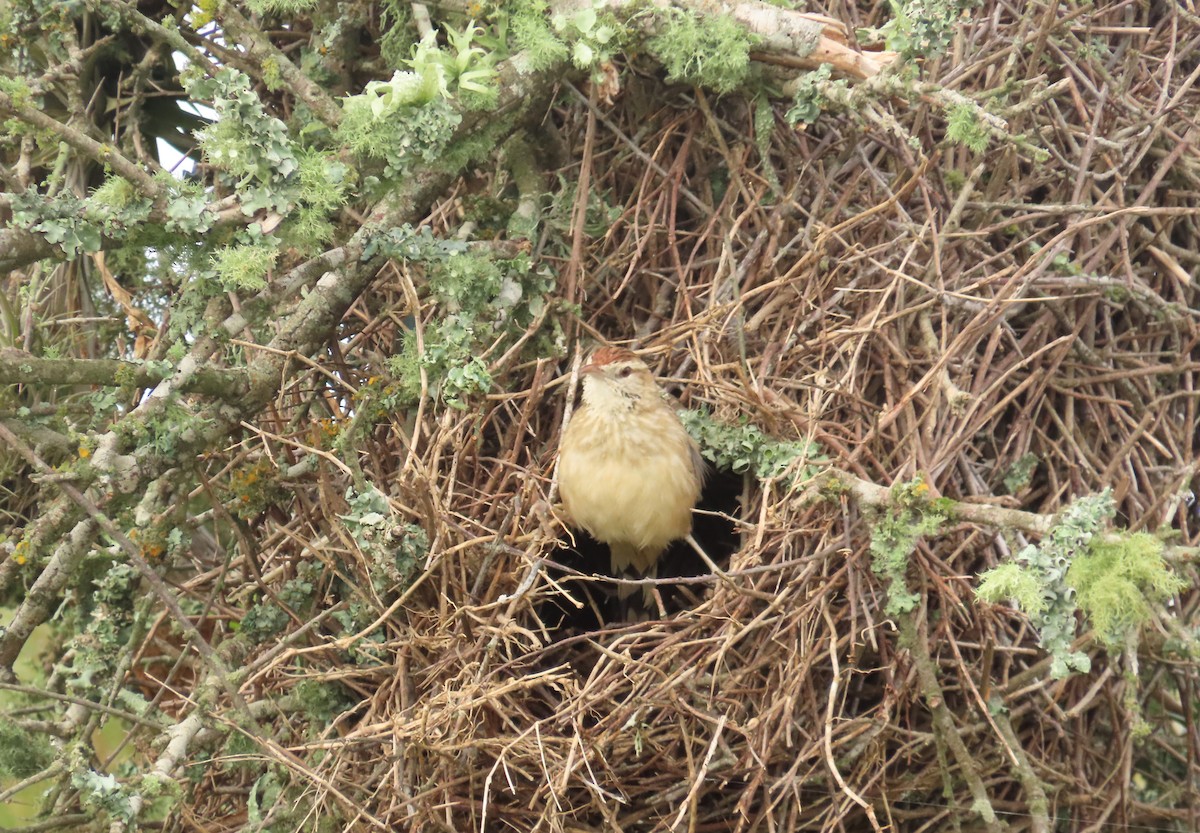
{"x":629,"y":561}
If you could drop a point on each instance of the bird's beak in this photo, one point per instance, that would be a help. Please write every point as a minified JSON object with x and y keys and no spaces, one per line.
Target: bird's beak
{"x":589,"y":368}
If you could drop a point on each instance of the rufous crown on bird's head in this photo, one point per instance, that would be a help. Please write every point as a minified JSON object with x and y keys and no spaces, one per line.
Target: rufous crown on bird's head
{"x":616,"y":364}
{"x":611,"y":355}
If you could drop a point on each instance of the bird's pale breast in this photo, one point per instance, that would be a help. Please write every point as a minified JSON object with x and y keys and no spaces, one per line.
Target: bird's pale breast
{"x":629,"y":478}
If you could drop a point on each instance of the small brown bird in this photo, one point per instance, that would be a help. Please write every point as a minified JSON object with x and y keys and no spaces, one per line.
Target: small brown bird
{"x":628,"y":472}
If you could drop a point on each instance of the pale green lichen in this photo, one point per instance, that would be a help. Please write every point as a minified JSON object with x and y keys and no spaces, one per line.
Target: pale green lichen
{"x":245,"y":266}
{"x":709,"y":50}
{"x":394,"y":548}
{"x":1120,"y":581}
{"x":484,"y":300}
{"x":895,"y":533}
{"x":922,"y":28}
{"x":1040,"y":580}
{"x":744,"y":447}
{"x":963,"y":127}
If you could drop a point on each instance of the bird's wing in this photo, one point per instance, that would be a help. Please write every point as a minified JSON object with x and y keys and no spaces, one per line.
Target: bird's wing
{"x":699,"y":464}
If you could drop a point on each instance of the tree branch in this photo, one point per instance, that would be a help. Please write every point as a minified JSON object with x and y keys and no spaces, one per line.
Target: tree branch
{"x":323,"y":288}
{"x":260,"y":48}
{"x":20,"y":368}
{"x":103,"y":154}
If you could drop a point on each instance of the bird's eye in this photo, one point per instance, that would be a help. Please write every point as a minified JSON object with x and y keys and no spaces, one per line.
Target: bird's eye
{"x":624,"y":372}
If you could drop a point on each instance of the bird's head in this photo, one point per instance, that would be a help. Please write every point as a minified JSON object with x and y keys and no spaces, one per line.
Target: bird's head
{"x":616,"y":378}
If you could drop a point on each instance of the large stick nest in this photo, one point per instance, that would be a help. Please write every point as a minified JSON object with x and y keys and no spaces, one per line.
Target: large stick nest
{"x":908,"y":305}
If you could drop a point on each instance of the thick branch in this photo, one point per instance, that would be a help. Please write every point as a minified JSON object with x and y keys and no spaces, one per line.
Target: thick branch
{"x":20,"y":368}
{"x":872,"y":494}
{"x":261,"y":48}
{"x":104,"y":154}
{"x":43,"y":597}
{"x":785,"y":37}
{"x":943,"y":722}
{"x":163,"y":34}
{"x":19,"y":247}
{"x":1039,"y":804}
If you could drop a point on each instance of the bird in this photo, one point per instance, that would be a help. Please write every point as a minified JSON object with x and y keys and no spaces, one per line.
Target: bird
{"x":628,"y":472}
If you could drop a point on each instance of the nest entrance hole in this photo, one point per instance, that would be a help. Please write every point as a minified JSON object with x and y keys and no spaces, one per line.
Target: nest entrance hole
{"x":713,"y":530}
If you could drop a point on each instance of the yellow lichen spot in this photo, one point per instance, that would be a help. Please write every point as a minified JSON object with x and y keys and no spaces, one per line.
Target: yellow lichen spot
{"x":150,"y":545}
{"x":84,"y":452}
{"x":253,"y":488}
{"x":324,"y":429}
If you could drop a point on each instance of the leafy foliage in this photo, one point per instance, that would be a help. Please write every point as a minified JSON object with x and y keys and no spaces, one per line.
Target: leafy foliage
{"x":409,"y":117}
{"x":468,"y":67}
{"x":436,"y":73}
